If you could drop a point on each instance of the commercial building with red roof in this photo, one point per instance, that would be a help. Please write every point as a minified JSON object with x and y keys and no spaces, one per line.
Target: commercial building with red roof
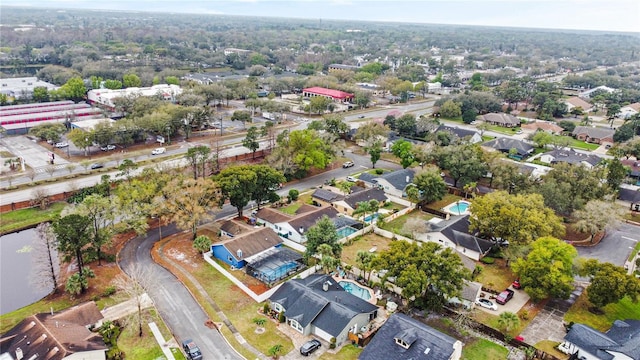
{"x":330,"y":93}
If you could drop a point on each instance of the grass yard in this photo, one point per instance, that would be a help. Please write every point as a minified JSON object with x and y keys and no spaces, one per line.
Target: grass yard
{"x":291,"y":209}
{"x":582,"y":145}
{"x":396,"y":225}
{"x":549,"y":347}
{"x":348,"y":352}
{"x":481,"y":349}
{"x":363,"y":243}
{"x":446,"y":200}
{"x":145,"y":347}
{"x":503,"y":130}
{"x":236,"y":305}
{"x":24,"y":218}
{"x":495,"y":276}
{"x":635,"y":250}
{"x":579,"y":313}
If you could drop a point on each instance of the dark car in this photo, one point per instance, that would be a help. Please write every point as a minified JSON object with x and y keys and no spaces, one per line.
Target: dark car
{"x":192,"y":350}
{"x":504,"y":297}
{"x":309,"y":347}
{"x":516,"y":284}
{"x":96,"y":166}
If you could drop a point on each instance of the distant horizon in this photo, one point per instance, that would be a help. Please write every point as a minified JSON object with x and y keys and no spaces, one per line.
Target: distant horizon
{"x":573,"y":15}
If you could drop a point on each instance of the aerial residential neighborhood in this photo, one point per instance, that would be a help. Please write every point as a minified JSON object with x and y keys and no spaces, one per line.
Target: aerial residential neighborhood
{"x":198,"y":185}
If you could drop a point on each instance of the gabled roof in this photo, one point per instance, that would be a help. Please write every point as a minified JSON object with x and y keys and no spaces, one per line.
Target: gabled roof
{"x":572,"y":157}
{"x":456,"y":229}
{"x":505,"y":144}
{"x":622,"y":337}
{"x":629,"y":195}
{"x":398,"y":179}
{"x":365,"y":195}
{"x":326,"y":195}
{"x":309,"y":219}
{"x":543,"y":125}
{"x":422,"y":337}
{"x":273,"y":216}
{"x":56,"y":336}
{"x":251,"y":243}
{"x":635,"y":106}
{"x":336,"y":94}
{"x":577,"y":102}
{"x":306,"y":302}
{"x":501,"y":118}
{"x":470,"y":289}
{"x":459,"y":132}
{"x":593,"y":132}
{"x":231,"y":227}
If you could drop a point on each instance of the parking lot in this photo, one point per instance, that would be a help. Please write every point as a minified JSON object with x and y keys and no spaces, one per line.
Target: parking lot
{"x":616,"y":245}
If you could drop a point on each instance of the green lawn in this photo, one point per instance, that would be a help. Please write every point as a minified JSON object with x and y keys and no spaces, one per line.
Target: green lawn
{"x":481,"y":349}
{"x":396,"y":225}
{"x":503,"y":130}
{"x":635,"y":250}
{"x":291,"y":209}
{"x":348,"y":352}
{"x":20,"y":219}
{"x":549,"y":347}
{"x":579,"y":313}
{"x":145,"y":347}
{"x":495,"y":276}
{"x":582,"y":145}
{"x":364,"y":243}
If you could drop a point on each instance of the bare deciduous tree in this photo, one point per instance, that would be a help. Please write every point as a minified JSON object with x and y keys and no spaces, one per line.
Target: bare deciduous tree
{"x":40,"y":198}
{"x":45,"y":264}
{"x":415,"y":226}
{"x":51,"y":169}
{"x":31,"y":174}
{"x":139,"y":278}
{"x":70,"y":167}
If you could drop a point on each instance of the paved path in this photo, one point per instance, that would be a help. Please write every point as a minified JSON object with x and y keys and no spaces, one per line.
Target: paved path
{"x":166,"y":350}
{"x":126,"y":308}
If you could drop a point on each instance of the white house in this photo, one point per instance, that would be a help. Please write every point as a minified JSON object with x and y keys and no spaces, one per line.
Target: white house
{"x":620,"y":342}
{"x":294,"y":227}
{"x":393,"y":183}
{"x":628,"y":111}
{"x":454,"y":233}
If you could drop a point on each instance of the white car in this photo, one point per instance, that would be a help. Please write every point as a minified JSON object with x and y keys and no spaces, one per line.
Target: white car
{"x":158,"y":151}
{"x":62,"y":145}
{"x":108,"y":148}
{"x":486,"y":304}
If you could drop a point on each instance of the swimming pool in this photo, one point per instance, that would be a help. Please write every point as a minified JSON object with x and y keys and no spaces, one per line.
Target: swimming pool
{"x":345,"y":231}
{"x":271,"y":275}
{"x":458,"y":208}
{"x":355,"y":289}
{"x":369,"y":218}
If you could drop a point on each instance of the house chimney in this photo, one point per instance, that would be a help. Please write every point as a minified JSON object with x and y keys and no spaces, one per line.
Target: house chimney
{"x":301,"y":230}
{"x":325,"y":286}
{"x":239,"y":254}
{"x":19,"y":354}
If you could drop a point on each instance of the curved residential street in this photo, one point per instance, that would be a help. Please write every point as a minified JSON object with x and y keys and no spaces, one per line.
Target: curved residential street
{"x":174,"y":302}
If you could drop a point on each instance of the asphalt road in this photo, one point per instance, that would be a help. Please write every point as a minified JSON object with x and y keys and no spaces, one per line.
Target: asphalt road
{"x":616,"y":245}
{"x":175,"y":304}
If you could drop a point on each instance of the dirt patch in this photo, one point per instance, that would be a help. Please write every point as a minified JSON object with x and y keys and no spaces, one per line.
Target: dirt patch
{"x":579,"y":238}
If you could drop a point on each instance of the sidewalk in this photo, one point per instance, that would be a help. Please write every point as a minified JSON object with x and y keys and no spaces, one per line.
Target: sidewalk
{"x":126,"y":308}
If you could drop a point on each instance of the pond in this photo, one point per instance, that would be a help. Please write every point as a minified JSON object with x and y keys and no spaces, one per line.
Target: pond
{"x":15,"y":267}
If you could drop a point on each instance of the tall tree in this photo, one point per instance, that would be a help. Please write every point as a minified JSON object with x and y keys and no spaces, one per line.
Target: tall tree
{"x":101,"y":212}
{"x":45,"y":265}
{"x":597,"y":216}
{"x":138,"y":279}
{"x":609,"y":283}
{"x":237,"y":184}
{"x":519,"y":218}
{"x":323,"y":232}
{"x":72,"y":232}
{"x":251,"y":140}
{"x":268,"y":180}
{"x":464,"y":163}
{"x":430,"y":185}
{"x":190,"y":202}
{"x":364,"y":260}
{"x":197,"y":157}
{"x":548,"y":270}
{"x":403,"y":150}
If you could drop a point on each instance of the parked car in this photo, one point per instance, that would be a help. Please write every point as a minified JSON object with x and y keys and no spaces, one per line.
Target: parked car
{"x":516,"y":284}
{"x":351,"y":178}
{"x":158,"y":151}
{"x":192,"y":350}
{"x":504,"y":297}
{"x":108,"y":148}
{"x":62,"y":144}
{"x":485,"y":303}
{"x":96,"y":166}
{"x":348,"y":164}
{"x":361,"y":117}
{"x":309,"y":347}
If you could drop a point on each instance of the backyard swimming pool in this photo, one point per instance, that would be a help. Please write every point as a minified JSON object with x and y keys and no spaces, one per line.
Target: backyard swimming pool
{"x":345,"y":231}
{"x":355,"y":289}
{"x":369,"y":218}
{"x":457,"y":208}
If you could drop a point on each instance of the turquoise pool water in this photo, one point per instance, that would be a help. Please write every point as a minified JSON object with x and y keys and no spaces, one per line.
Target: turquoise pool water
{"x":369,"y":218}
{"x":356,"y":290}
{"x":345,"y":231}
{"x":457,"y":208}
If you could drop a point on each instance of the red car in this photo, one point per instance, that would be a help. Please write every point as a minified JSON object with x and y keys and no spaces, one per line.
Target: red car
{"x":504,"y":297}
{"x":516,"y":284}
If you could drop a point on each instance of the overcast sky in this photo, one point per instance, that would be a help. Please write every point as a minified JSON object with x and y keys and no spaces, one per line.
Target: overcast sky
{"x":606,"y":15}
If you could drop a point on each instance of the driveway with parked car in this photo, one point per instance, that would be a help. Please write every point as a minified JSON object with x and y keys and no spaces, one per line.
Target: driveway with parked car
{"x":514,"y":304}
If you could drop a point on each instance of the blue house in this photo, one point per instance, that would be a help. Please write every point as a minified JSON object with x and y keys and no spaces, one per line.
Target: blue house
{"x":237,"y":250}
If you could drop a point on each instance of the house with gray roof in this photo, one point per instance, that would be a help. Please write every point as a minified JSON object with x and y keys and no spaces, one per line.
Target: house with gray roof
{"x":501,"y":119}
{"x":325,"y":197}
{"x":349,"y":203}
{"x":318,"y":305}
{"x":454,"y":233}
{"x":596,"y":135}
{"x":294,"y":227}
{"x":521,"y":148}
{"x":464,"y":135}
{"x":393,"y":183}
{"x":470,"y":292}
{"x":402,"y":338}
{"x":570,"y":156}
{"x":621,"y":341}
{"x":631,"y":197}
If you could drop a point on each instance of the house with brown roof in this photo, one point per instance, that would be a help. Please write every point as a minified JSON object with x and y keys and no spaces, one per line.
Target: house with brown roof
{"x":349,"y":203}
{"x":501,"y":119}
{"x":575,"y":102}
{"x":596,"y":135}
{"x":235,"y":251}
{"x":628,"y":111}
{"x":545,"y":126}
{"x":57,"y":336}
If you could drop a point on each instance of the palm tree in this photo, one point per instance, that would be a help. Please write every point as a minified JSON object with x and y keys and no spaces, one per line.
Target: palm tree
{"x":275,"y":351}
{"x":508,"y":320}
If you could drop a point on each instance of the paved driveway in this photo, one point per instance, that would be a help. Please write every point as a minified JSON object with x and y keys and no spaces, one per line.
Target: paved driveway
{"x":615,"y":247}
{"x":514,"y":305}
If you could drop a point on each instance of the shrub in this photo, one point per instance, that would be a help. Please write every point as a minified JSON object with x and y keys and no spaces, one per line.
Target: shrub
{"x":524,"y":315}
{"x":293,"y":194}
{"x":266,"y":308}
{"x":477,"y":271}
{"x":379,"y":171}
{"x":110,"y":290}
{"x":488,"y":260}
{"x":332,"y":343}
{"x":281,"y":317}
